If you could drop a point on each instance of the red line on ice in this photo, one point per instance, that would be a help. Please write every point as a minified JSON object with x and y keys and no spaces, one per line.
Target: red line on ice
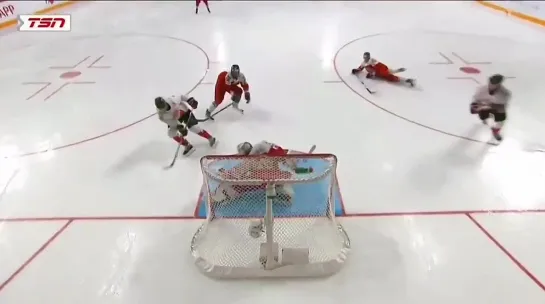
{"x":507,"y":252}
{"x":34,"y":256}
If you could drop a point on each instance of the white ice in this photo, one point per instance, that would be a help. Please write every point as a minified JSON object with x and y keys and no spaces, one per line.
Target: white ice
{"x":433,"y":218}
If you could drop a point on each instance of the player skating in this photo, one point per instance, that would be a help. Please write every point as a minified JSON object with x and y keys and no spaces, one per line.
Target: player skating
{"x":377,"y":69}
{"x":232,"y":82}
{"x":273,"y":168}
{"x":176,"y":112}
{"x":492,"y":100}
{"x":205,"y":3}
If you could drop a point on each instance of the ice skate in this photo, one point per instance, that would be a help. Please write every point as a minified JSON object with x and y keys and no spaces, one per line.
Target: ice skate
{"x":397,"y":70}
{"x":188,"y":150}
{"x":213,"y":142}
{"x":497,"y":136}
{"x":235,"y":106}
{"x":208,"y":115}
{"x":411,"y":82}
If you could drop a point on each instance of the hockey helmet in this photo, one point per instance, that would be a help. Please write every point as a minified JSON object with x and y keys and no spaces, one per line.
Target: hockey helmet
{"x":244,"y":148}
{"x":366,"y":56}
{"x":235,"y":70}
{"x":496,"y":79}
{"x":160,"y":103}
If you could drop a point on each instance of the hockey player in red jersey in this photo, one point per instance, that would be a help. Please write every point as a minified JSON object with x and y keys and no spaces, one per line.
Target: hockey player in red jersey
{"x":176,"y":112}
{"x":232,"y":82}
{"x":375,"y":68}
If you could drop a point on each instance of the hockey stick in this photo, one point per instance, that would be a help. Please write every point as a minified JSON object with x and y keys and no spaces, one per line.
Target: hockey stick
{"x":175,"y":157}
{"x":365,"y":86}
{"x":312,"y":149}
{"x":392,"y":71}
{"x":221,"y":110}
{"x":214,"y":114}
{"x":362,"y":82}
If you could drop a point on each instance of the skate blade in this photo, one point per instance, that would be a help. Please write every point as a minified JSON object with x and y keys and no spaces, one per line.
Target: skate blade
{"x":189,"y":153}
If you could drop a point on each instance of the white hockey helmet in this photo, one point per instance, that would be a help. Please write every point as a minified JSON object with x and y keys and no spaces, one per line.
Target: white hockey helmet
{"x":244,"y":148}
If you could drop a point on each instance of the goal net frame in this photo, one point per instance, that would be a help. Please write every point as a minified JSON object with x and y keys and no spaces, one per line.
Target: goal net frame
{"x":325,"y":243}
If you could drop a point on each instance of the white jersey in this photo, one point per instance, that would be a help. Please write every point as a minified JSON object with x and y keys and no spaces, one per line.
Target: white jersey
{"x":500,"y":98}
{"x":265,"y":147}
{"x":371,"y":62}
{"x":178,"y":107}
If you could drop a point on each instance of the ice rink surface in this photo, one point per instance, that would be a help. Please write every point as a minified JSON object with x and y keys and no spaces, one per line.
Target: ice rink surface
{"x":435,"y":213}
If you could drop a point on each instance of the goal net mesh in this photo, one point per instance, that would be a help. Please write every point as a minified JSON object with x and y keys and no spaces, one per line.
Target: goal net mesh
{"x":265,"y":208}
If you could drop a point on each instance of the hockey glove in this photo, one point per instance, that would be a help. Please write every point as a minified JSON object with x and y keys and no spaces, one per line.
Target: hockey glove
{"x":247,"y":97}
{"x":183,"y":130}
{"x":355,"y":71}
{"x":193,"y":103}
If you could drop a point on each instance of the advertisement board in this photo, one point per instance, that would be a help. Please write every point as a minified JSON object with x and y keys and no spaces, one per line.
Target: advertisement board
{"x":533,"y":11}
{"x":10,"y":10}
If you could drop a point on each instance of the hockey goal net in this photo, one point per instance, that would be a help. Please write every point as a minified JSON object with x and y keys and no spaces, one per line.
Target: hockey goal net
{"x":270,"y":216}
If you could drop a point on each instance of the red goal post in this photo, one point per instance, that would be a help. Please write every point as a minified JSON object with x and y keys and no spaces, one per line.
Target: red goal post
{"x":270,"y":216}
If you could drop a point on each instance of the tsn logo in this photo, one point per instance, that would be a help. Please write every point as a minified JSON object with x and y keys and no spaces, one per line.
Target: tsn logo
{"x":44,"y":23}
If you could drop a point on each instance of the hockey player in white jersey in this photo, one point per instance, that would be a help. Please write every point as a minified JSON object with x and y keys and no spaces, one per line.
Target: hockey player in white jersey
{"x":176,"y":112}
{"x":492,"y":100}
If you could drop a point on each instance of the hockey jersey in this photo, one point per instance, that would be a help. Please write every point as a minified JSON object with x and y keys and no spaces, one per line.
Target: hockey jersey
{"x":178,"y":107}
{"x":264,"y":147}
{"x":499,"y":100}
{"x":229,"y":80}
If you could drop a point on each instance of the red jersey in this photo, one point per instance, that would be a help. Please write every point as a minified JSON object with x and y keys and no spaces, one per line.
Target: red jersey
{"x":225,"y":79}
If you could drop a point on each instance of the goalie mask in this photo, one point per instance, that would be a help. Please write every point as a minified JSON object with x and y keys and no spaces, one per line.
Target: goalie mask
{"x":244,"y":148}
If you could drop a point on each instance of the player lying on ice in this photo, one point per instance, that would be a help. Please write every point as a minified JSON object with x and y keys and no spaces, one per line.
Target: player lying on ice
{"x":273,"y":168}
{"x":232,"y":82}
{"x":176,"y":112}
{"x":377,"y":69}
